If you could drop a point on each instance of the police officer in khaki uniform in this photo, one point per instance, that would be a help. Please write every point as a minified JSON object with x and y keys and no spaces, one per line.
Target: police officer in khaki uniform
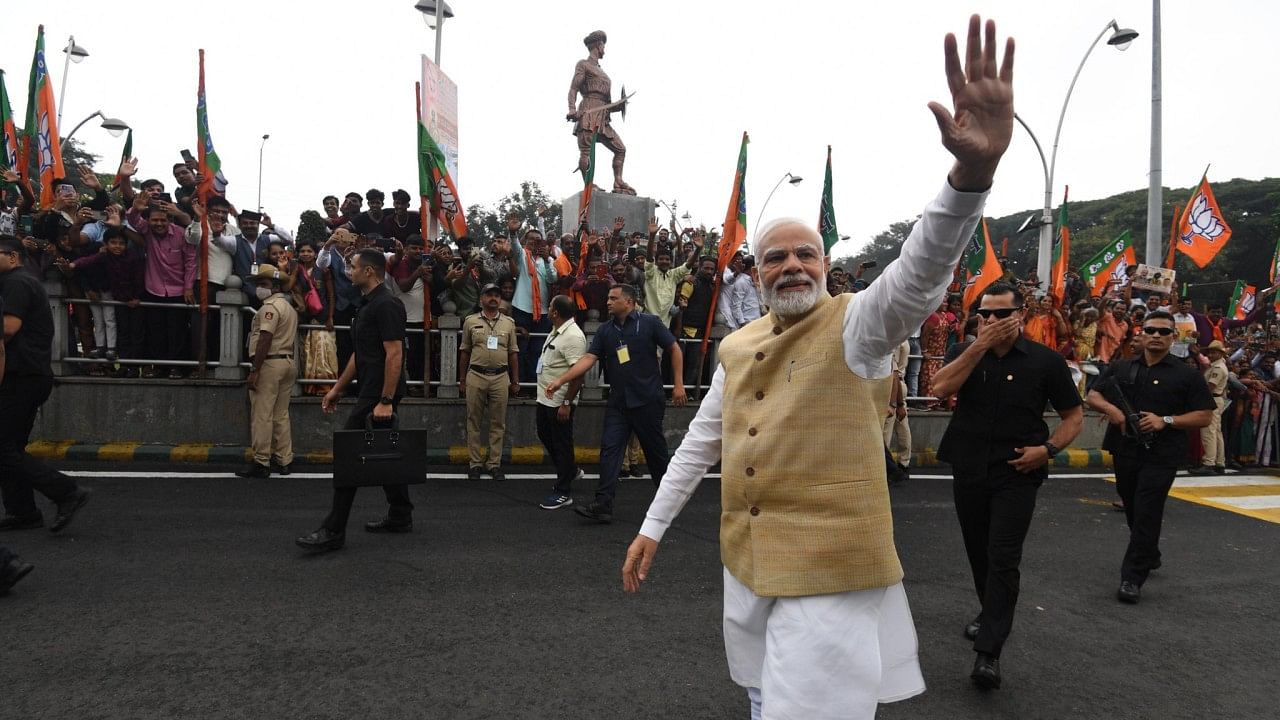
{"x":490,"y":360}
{"x":271,"y":342}
{"x":1215,"y":376}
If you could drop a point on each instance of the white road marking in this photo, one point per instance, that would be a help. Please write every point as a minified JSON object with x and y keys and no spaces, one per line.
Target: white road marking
{"x":1224,"y":481}
{"x":551,"y":476}
{"x":1249,"y":502}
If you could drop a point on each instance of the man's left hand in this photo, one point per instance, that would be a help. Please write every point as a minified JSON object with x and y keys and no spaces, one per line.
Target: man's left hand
{"x":565,"y":413}
{"x":1150,"y":422}
{"x":678,"y":396}
{"x":982,"y":125}
{"x":514,"y":389}
{"x":252,"y":380}
{"x":1030,"y":458}
{"x":189,"y":297}
{"x":382,"y":411}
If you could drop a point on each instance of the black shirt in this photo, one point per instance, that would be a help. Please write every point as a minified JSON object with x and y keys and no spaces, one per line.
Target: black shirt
{"x":375,"y":230}
{"x":695,"y":313}
{"x":636,"y":382}
{"x":27,"y":352}
{"x":380,"y":318}
{"x":1169,"y":387}
{"x":1001,"y":405}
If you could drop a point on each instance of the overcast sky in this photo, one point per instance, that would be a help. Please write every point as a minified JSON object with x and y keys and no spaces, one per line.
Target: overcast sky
{"x":332,"y":84}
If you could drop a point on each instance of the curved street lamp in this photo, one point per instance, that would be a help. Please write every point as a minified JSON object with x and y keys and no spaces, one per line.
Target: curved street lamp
{"x":434,"y":13}
{"x":1121,"y":39}
{"x":786,"y":177}
{"x":75,"y":54}
{"x":115,"y":126}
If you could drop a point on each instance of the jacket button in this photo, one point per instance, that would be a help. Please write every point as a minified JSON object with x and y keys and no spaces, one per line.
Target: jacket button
{"x":759,"y":394}
{"x":759,"y":356}
{"x":754,"y":511}
{"x":751,"y":472}
{"x":777,"y":330}
{"x":753,"y":432}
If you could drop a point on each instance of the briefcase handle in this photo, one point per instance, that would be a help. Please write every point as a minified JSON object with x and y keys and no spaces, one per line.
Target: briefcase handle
{"x":368,"y":421}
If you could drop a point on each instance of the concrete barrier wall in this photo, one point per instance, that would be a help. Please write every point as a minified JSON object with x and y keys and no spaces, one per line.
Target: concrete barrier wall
{"x":92,"y":411}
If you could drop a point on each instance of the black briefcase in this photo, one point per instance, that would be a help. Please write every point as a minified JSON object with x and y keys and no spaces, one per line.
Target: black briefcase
{"x":379,"y":456}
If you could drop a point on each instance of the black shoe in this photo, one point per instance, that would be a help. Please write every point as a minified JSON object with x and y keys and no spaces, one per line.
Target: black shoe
{"x":497,"y":475}
{"x":67,"y":510}
{"x":255,"y":471}
{"x":1156,"y":565}
{"x":280,"y":469}
{"x":624,"y":473}
{"x":322,"y":540}
{"x":971,"y":630}
{"x":15,"y":522}
{"x":473,"y":473}
{"x":13,"y":572}
{"x":986,"y":672}
{"x":386,"y":526}
{"x":1202,"y":470}
{"x":1129,"y":593}
{"x":1219,"y":469}
{"x":595,"y":511}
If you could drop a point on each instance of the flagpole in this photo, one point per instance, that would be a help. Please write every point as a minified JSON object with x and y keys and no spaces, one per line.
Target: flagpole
{"x":425,"y":222}
{"x":202,"y":355}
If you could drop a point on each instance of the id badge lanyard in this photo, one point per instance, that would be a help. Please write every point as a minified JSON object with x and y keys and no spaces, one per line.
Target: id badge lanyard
{"x":624,"y":355}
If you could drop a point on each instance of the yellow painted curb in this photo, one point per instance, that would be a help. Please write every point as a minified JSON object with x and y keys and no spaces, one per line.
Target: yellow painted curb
{"x":190,"y":453}
{"x":49,"y":449}
{"x":117,"y":451}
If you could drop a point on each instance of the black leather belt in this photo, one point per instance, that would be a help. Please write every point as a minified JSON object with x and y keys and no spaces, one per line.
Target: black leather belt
{"x":489,"y":371}
{"x":281,"y":356}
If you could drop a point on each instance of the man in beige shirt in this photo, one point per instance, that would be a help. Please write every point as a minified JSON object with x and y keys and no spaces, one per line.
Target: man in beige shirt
{"x":272,"y":337}
{"x":489,"y":360}
{"x":565,"y":346}
{"x":1214,"y":460}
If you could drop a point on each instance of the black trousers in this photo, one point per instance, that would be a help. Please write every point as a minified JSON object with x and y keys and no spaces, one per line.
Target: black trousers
{"x":400,"y":510}
{"x":168,"y":336}
{"x":416,"y":355}
{"x":131,"y":333}
{"x":995,"y":508}
{"x":619,"y":424}
{"x":531,"y":349}
{"x":1143,"y":485}
{"x":344,"y":317}
{"x":213,"y":328}
{"x":557,"y":438}
{"x":20,"y":474}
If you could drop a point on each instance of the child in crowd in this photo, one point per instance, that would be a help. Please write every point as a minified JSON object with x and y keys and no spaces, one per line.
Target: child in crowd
{"x":124,"y":265}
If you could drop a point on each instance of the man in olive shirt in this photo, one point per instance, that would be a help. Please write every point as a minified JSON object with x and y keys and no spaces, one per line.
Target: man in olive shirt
{"x":377,"y":333}
{"x":1168,"y":397}
{"x":272,"y":336}
{"x":27,"y":384}
{"x":490,"y":359}
{"x":565,"y":346}
{"x":999,"y":448}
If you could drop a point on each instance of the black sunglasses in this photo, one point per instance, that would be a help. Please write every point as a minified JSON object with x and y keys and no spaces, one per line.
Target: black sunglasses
{"x":1000,"y":313}
{"x":1157,"y":330}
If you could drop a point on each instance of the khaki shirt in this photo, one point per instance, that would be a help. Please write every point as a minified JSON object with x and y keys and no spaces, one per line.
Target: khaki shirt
{"x":564,"y":347}
{"x":1216,"y":377}
{"x":277,"y":317}
{"x":476,"y":331}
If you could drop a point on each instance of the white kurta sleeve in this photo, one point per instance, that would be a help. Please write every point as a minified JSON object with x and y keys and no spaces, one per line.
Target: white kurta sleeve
{"x":886,"y":313}
{"x":699,"y":450}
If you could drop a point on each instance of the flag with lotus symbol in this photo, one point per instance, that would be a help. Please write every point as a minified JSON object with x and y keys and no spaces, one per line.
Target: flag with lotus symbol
{"x":1202,"y":231}
{"x":1111,"y":263}
{"x":42,"y":126}
{"x":1243,"y":300}
{"x":982,"y":267}
{"x":1061,"y":253}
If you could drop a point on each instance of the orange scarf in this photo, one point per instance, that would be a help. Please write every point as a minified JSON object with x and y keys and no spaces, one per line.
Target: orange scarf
{"x":1217,"y":331}
{"x":532,"y":268}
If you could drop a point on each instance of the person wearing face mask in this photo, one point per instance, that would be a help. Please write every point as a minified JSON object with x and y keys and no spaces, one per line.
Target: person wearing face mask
{"x":271,"y":341}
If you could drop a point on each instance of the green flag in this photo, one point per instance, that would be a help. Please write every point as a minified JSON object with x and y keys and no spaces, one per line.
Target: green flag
{"x":1110,"y":263}
{"x":827,"y":213}
{"x":9,"y":144}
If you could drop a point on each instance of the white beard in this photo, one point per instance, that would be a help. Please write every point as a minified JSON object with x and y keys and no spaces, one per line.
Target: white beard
{"x":791,"y":303}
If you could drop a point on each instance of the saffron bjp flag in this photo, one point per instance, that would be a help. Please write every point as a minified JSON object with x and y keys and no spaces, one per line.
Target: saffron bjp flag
{"x":1243,"y":300}
{"x":1061,"y":252}
{"x":209,"y":164}
{"x":1109,"y":264}
{"x":42,"y":126}
{"x":982,"y":267}
{"x":1202,"y":231}
{"x":8,"y":132}
{"x":584,"y":207}
{"x":435,"y":184}
{"x":827,"y":213}
{"x":735,"y":233}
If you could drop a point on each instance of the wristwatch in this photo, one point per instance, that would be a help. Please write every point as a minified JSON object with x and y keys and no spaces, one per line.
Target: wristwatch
{"x":386,"y":400}
{"x":1168,"y":420}
{"x":1053,"y":449}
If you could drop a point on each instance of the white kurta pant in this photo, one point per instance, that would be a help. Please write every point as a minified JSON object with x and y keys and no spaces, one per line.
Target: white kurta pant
{"x":822,"y":657}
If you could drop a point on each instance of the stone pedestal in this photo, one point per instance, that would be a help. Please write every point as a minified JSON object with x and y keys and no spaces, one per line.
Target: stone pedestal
{"x":637,"y":211}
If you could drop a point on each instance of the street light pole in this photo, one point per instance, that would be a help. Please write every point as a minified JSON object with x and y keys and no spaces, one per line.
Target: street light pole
{"x":73,"y":52}
{"x":1121,"y":38}
{"x":794,"y":180}
{"x":1155,"y":191}
{"x":439,"y":27}
{"x":260,"y":149}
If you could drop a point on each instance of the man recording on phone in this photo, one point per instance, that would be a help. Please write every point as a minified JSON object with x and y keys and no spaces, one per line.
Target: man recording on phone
{"x":1167,"y":397}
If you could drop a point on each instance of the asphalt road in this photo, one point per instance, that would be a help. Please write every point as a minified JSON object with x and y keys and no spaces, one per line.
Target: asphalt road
{"x":186,"y":598}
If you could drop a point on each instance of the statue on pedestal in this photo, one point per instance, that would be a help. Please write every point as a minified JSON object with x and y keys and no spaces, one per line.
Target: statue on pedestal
{"x":591,"y":116}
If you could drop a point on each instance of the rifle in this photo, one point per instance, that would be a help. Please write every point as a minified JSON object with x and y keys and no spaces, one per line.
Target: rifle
{"x":1132,"y":418}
